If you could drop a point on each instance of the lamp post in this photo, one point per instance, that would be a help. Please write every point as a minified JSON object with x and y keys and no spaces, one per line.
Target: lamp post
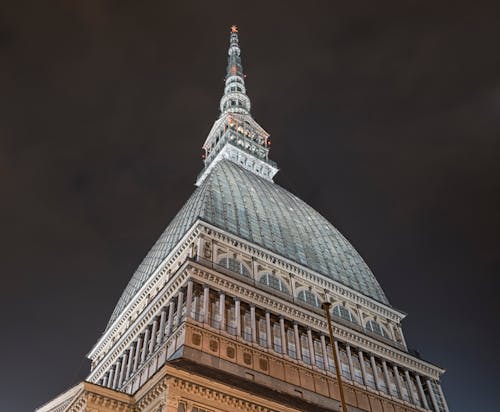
{"x":326,"y":307}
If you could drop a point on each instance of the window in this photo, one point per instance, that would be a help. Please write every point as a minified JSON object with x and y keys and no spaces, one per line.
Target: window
{"x":344,"y":313}
{"x":234,"y":266}
{"x":309,"y":297}
{"x":375,"y":327}
{"x":273,"y":282}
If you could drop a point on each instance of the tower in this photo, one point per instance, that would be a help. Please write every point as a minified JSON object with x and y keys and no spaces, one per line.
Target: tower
{"x":224,"y":312}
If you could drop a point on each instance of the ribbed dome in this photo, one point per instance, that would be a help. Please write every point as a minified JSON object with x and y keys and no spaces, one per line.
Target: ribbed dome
{"x":237,"y":201}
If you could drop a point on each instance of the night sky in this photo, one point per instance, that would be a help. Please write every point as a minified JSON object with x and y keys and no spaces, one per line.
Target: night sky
{"x":384,"y":116}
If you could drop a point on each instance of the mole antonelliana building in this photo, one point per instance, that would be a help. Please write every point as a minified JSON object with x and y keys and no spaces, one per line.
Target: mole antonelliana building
{"x":224,"y":313}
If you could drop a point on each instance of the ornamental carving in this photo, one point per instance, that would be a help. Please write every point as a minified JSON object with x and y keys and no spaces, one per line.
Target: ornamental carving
{"x":230,"y":352}
{"x":214,"y":345}
{"x":247,"y":358}
{"x":263,"y":364}
{"x":196,"y":339}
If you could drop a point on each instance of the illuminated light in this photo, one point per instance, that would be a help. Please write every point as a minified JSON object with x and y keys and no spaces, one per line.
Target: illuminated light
{"x":234,"y":28}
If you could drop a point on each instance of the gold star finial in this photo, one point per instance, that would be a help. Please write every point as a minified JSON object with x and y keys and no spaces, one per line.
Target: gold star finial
{"x":234,"y":28}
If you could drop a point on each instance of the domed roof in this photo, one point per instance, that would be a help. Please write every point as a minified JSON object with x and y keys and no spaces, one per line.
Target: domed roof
{"x":260,"y":211}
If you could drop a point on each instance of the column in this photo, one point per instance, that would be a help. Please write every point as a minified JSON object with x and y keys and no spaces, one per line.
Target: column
{"x":152,"y":341}
{"x":189,"y":298}
{"x":116,"y":373}
{"x":325,"y":353}
{"x":170,"y":321}
{"x":336,"y":345}
{"x":123,"y":369}
{"x":253,"y":324}
{"x":311,"y":347}
{"x":283,"y":336}
{"x":206,"y":303}
{"x":180,"y":302}
{"x":375,"y":372}
{"x":137,"y":353}
{"x":237,"y":316}
{"x":398,"y":381}
{"x":269,"y":331}
{"x":349,"y":360}
{"x":433,"y":397}
{"x":297,"y":341}
{"x":105,"y":380}
{"x":222,"y":310}
{"x":161,"y":330}
{"x":421,"y":392}
{"x":145,"y":345}
{"x":130,"y":359}
{"x":386,"y":377}
{"x":410,"y":387}
{"x":363,"y":368}
{"x":445,"y":404}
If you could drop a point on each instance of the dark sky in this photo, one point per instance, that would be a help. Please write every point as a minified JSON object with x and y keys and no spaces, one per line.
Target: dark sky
{"x":385,"y":117}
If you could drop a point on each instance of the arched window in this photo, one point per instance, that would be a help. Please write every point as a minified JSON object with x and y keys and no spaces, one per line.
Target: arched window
{"x":344,"y":313}
{"x":234,"y":266}
{"x":375,"y":327}
{"x":274,"y":282}
{"x":309,"y":297}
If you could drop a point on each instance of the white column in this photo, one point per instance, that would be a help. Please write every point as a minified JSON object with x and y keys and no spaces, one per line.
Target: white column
{"x":161,"y":330}
{"x":122,"y":370}
{"x":170,"y":320}
{"x":269,"y":331}
{"x":336,"y":346}
{"x":310,"y":342}
{"x":253,"y":324}
{"x":116,"y":373}
{"x":421,"y":392}
{"x":222,"y":310}
{"x":349,"y":360}
{"x":433,"y":397}
{"x":145,"y":345}
{"x":445,"y":404}
{"x":189,"y":298}
{"x":152,"y":341}
{"x":206,"y":303}
{"x":105,"y":380}
{"x":325,"y":353}
{"x":130,"y":360}
{"x":180,"y":302}
{"x":410,"y":387}
{"x":237,"y":316}
{"x":297,"y":341}
{"x":283,"y":336}
{"x":398,"y":381}
{"x":363,"y":368}
{"x":375,"y":372}
{"x":386,"y":377}
{"x":137,"y":353}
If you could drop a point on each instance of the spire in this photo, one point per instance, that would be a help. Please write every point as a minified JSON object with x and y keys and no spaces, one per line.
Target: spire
{"x":234,"y":99}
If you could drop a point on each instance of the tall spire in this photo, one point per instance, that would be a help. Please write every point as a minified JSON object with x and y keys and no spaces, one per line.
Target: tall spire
{"x":234,"y":99}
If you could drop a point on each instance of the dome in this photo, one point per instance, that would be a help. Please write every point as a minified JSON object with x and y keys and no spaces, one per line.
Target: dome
{"x":255,"y":209}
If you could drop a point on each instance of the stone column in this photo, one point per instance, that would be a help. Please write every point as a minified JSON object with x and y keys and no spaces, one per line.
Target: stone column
{"x":433,"y":397}
{"x":105,"y":380}
{"x":123,"y":369}
{"x":386,"y":377}
{"x":206,"y":303}
{"x":269,"y":331}
{"x":363,"y":368}
{"x":421,"y":392}
{"x":152,"y":341}
{"x":310,"y":342}
{"x":283,"y":336}
{"x":410,"y":387}
{"x":349,"y":360}
{"x":137,"y":353}
{"x":375,"y":372}
{"x":161,"y":330}
{"x":222,"y":310}
{"x":180,"y":302}
{"x":189,"y":298}
{"x":445,"y":404}
{"x":336,"y":345}
{"x":116,"y":373}
{"x":145,"y":345}
{"x":170,"y":320}
{"x":237,"y":316}
{"x":253,"y":323}
{"x":398,"y":381}
{"x":325,"y":352}
{"x":297,"y":341}
{"x":130,"y":360}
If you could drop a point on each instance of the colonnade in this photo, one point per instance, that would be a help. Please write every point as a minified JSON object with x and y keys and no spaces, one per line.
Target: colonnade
{"x":259,"y":326}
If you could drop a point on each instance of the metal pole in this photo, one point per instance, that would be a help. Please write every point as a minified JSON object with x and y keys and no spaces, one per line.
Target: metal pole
{"x":326,"y":308}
